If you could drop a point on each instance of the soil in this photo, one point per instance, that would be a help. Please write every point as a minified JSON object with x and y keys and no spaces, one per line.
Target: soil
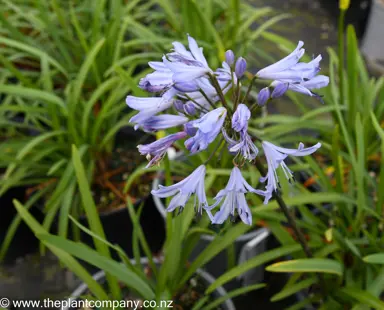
{"x":113,"y":170}
{"x":190,"y":294}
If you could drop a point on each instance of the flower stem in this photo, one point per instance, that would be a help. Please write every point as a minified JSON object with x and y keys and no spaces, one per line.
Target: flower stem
{"x":249,"y":89}
{"x":291,"y":221}
{"x":219,"y":91}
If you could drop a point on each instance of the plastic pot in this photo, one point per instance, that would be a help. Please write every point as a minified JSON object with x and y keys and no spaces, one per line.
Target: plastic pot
{"x":118,"y":227}
{"x":209,"y":279}
{"x":246,"y":246}
{"x":24,"y":241}
{"x":373,"y":43}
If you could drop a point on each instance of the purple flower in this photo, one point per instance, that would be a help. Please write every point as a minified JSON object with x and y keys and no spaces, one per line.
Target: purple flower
{"x":190,"y":128}
{"x":155,"y":151}
{"x":148,"y":107}
{"x":186,"y":65}
{"x":240,"y":118}
{"x":306,"y":87}
{"x":277,"y":70}
{"x":182,"y":191}
{"x":245,"y":145}
{"x":157,"y":81}
{"x":160,"y":122}
{"x":208,"y":128}
{"x":234,"y":198}
{"x":275,"y":157}
{"x":263,"y":96}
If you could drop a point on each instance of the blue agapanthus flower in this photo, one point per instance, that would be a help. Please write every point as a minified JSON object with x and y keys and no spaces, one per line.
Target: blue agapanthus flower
{"x":208,"y":127}
{"x":289,"y":73}
{"x":203,"y":104}
{"x":234,"y":199}
{"x":275,"y":156}
{"x":182,"y":191}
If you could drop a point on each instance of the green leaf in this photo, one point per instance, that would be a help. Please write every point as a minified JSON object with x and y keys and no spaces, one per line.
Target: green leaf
{"x":377,"y":258}
{"x":252,"y":263}
{"x":293,"y":289}
{"x":117,"y":270}
{"x":220,"y":243}
{"x":64,"y":257}
{"x":308,"y":265}
{"x":364,"y":297}
{"x":240,"y":291}
{"x":30,"y":93}
{"x":34,"y":51}
{"x":92,"y":215}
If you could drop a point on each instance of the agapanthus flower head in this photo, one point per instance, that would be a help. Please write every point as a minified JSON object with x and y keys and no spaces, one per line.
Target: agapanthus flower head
{"x":234,"y":199}
{"x":155,"y":151}
{"x":182,"y":191}
{"x":208,"y":127}
{"x":275,"y":156}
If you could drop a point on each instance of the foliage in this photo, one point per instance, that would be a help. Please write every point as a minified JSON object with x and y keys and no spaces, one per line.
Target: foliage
{"x":348,"y":233}
{"x":169,"y":275}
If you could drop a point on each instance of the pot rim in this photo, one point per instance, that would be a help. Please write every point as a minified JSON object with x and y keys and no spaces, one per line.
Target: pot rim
{"x":82,"y":288}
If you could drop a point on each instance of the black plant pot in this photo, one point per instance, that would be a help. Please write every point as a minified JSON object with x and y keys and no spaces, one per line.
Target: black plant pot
{"x":24,"y":241}
{"x":118,"y":227}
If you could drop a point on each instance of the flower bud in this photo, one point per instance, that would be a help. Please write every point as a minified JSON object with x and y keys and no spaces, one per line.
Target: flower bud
{"x":186,"y":87}
{"x":263,"y":96}
{"x":229,"y":57}
{"x":241,"y":67}
{"x":279,"y":90}
{"x":179,"y":106}
{"x":344,"y":4}
{"x":190,"y":108}
{"x":190,"y":129}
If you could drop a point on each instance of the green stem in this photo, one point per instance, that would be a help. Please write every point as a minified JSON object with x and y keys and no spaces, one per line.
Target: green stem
{"x":168,"y":182}
{"x":249,"y":88}
{"x":292,"y":223}
{"x":341,"y":55}
{"x":219,"y":92}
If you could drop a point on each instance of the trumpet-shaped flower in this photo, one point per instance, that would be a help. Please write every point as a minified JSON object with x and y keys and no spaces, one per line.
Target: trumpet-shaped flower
{"x":276,"y":70}
{"x":187,"y":65}
{"x":306,"y":87}
{"x":208,"y":127}
{"x":148,"y":107}
{"x":275,"y":158}
{"x":182,"y":191}
{"x":161,"y":122}
{"x":234,"y":198}
{"x":245,"y":145}
{"x":155,"y":151}
{"x":240,"y":118}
